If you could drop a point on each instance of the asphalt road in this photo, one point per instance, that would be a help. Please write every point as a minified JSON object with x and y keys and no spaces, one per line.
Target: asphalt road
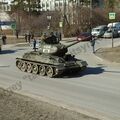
{"x":95,"y":92}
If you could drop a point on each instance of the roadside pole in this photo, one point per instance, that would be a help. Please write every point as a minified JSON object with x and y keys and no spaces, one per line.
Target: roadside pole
{"x":112,"y":17}
{"x":112,"y":37}
{"x":13,"y":26}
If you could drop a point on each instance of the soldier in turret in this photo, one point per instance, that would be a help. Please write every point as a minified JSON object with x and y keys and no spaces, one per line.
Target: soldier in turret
{"x":44,"y":36}
{"x":53,"y":38}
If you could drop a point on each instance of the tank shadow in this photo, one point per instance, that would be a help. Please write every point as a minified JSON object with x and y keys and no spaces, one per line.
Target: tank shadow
{"x":117,"y":72}
{"x":4,"y":66}
{"x":8,"y":51}
{"x":87,"y":71}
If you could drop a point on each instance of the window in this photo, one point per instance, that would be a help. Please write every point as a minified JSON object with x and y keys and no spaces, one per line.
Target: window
{"x":60,"y":4}
{"x":47,"y":5}
{"x":56,"y":4}
{"x":43,"y":5}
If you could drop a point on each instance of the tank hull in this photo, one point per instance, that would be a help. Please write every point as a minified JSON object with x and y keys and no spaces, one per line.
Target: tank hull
{"x":51,"y":68}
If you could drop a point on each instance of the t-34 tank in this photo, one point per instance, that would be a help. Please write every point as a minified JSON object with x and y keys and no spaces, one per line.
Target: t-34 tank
{"x":51,"y":59}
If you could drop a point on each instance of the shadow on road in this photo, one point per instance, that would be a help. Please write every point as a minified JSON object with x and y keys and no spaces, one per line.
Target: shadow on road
{"x":4,"y":66}
{"x":113,"y":72}
{"x":8,"y":51}
{"x":92,"y":71}
{"x":88,"y":71}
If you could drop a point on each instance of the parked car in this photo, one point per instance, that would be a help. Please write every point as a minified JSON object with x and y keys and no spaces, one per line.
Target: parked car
{"x":109,"y":33}
{"x":115,"y":25}
{"x":85,"y":36}
{"x":99,"y":30}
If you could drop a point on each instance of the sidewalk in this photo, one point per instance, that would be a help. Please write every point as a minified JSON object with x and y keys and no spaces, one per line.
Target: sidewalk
{"x":70,"y":39}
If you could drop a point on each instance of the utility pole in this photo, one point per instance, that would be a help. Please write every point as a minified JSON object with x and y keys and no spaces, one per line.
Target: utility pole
{"x":91,"y":15}
{"x":29,"y":14}
{"x":65,"y":20}
{"x":64,"y":12}
{"x":64,"y":17}
{"x":1,"y":6}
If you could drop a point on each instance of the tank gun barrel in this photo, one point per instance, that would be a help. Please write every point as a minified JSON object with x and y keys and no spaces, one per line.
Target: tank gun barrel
{"x":72,"y":44}
{"x":76,"y":42}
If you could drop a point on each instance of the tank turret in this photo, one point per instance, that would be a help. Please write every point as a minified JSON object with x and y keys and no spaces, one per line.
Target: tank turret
{"x":54,"y":47}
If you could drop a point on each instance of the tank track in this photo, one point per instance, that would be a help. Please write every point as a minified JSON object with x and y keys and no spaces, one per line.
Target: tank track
{"x":37,"y":68}
{"x":44,"y":69}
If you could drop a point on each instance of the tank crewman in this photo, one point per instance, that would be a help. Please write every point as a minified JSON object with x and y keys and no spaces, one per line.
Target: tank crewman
{"x":50,"y":38}
{"x":44,"y":36}
{"x":53,"y":38}
{"x":58,"y":35}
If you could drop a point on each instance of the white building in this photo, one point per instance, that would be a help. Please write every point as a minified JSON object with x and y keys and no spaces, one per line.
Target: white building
{"x":46,"y":5}
{"x":51,"y":5}
{"x":5,"y":17}
{"x":5,"y":5}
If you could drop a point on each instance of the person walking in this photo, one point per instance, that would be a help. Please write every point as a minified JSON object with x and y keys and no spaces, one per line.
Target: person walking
{"x":4,"y":39}
{"x":26,"y":37}
{"x":32,"y":35}
{"x":92,"y":42}
{"x":29,"y":37}
{"x":17,"y":34}
{"x":34,"y":44}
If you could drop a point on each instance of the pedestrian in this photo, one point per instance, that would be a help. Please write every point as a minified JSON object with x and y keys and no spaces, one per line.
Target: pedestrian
{"x":34,"y":44}
{"x":29,"y":37}
{"x":17,"y":34}
{"x":4,"y":39}
{"x":32,"y":36}
{"x":92,"y":41}
{"x":26,"y":37}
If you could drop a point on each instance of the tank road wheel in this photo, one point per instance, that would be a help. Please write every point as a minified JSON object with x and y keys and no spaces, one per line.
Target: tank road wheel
{"x":49,"y":71}
{"x":42,"y":70}
{"x":29,"y":67}
{"x":23,"y":66}
{"x":35,"y":69}
{"x":18,"y":64}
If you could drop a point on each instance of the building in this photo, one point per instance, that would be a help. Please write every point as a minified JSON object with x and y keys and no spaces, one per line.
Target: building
{"x":51,"y":5}
{"x":5,"y":5}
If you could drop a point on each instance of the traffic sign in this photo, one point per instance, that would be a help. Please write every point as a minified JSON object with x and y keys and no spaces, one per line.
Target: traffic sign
{"x":112,"y":15}
{"x":13,"y":26}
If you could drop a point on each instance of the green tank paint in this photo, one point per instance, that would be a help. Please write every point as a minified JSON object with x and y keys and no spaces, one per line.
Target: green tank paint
{"x":51,"y":59}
